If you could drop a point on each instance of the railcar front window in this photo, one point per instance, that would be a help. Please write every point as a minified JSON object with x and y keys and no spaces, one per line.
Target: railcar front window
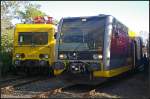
{"x":89,"y":31}
{"x":73,"y":35}
{"x":33,"y":38}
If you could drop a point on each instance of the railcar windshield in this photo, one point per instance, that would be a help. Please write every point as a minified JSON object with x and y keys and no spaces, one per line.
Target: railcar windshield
{"x":88,"y":31}
{"x":33,"y":38}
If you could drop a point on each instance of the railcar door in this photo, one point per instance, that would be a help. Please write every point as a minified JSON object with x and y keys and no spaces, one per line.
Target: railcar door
{"x":134,"y":54}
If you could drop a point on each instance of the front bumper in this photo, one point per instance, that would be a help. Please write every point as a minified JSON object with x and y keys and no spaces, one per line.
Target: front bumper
{"x":77,"y":66}
{"x":31,"y":63}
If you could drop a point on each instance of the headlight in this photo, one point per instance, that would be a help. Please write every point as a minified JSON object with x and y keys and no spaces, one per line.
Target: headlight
{"x":97,"y":56}
{"x":45,"y":56}
{"x":17,"y":62}
{"x":62,"y":56}
{"x":17,"y":55}
{"x":21,"y":55}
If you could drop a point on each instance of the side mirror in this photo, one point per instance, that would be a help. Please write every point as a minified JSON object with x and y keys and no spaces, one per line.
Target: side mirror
{"x":55,"y":35}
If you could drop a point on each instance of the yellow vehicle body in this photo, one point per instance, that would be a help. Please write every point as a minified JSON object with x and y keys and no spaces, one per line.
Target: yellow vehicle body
{"x":32,"y":52}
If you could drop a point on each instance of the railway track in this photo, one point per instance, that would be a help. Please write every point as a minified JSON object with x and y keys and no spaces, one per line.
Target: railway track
{"x":54,"y":86}
{"x":11,"y":79}
{"x":9,"y":86}
{"x":67,"y":89}
{"x":87,"y":91}
{"x":52,"y":91}
{"x":122,"y":86}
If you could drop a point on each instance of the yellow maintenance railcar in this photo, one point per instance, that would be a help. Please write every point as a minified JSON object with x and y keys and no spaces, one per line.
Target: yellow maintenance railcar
{"x":34,"y":47}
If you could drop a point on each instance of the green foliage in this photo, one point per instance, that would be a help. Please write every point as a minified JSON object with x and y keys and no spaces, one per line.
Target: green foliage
{"x":31,"y":12}
{"x":9,"y":11}
{"x":7,"y":40}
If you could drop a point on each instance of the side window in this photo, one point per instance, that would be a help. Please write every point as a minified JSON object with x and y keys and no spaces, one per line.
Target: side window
{"x":24,"y":38}
{"x":21,"y":39}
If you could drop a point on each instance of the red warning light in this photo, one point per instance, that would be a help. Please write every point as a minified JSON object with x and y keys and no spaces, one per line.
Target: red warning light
{"x":49,"y":21}
{"x":39,"y":19}
{"x":43,"y":20}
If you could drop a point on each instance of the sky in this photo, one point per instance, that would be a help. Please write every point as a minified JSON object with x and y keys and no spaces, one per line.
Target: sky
{"x":134,"y":14}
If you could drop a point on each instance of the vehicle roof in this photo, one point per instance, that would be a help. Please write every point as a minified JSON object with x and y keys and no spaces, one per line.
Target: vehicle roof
{"x":100,"y":15}
{"x":35,"y":26}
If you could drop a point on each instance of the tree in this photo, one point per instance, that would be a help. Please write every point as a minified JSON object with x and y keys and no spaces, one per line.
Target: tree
{"x":8,"y":12}
{"x":31,"y":12}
